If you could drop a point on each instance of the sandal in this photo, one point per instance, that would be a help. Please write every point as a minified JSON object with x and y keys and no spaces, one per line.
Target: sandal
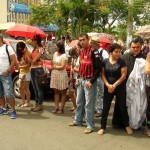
{"x":148,"y":133}
{"x":27,"y":105}
{"x":60,"y":111}
{"x":20,"y":105}
{"x":55,"y":111}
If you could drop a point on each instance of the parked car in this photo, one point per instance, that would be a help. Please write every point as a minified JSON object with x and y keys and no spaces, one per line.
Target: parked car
{"x":15,"y":74}
{"x":48,"y":92}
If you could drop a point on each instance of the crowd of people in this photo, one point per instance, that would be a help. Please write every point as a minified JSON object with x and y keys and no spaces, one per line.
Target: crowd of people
{"x":97,"y":77}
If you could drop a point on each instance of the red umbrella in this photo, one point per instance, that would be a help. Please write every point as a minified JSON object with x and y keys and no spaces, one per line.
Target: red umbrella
{"x":73,"y":43}
{"x":26,"y":31}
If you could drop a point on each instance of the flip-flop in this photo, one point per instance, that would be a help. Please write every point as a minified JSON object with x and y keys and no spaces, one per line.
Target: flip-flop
{"x":20,"y":105}
{"x":27,"y":105}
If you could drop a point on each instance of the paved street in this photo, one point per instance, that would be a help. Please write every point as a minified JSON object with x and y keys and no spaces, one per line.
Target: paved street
{"x":46,"y":131}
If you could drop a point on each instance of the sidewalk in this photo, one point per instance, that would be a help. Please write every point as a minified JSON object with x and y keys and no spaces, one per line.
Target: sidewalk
{"x":46,"y":131}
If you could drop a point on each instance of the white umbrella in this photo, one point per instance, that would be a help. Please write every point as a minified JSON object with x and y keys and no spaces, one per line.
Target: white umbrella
{"x":144,"y":31}
{"x":92,"y":34}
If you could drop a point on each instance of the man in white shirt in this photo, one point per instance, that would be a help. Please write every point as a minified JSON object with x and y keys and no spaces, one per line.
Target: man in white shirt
{"x":7,"y":62}
{"x":118,"y":41}
{"x":95,"y":42}
{"x":51,"y":45}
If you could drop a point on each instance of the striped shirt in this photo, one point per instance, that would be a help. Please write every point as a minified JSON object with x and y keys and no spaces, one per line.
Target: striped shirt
{"x":90,"y":64}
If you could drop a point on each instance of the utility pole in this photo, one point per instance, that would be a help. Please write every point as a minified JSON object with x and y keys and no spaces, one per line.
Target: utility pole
{"x":129,"y":22}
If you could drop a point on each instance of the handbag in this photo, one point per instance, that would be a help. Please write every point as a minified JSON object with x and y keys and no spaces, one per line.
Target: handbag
{"x":42,"y":78}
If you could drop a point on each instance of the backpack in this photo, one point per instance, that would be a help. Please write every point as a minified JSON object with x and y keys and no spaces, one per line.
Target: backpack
{"x":8,"y":54}
{"x":100,"y":54}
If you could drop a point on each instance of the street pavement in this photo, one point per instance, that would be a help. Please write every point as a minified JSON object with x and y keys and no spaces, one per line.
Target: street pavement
{"x":46,"y":131}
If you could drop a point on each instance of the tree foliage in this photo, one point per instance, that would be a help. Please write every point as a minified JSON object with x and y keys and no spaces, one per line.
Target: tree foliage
{"x":92,"y":15}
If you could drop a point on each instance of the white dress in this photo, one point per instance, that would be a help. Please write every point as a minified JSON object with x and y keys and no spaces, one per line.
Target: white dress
{"x":59,"y":78}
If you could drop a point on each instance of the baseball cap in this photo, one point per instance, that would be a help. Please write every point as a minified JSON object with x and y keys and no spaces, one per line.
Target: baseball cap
{"x":53,"y":38}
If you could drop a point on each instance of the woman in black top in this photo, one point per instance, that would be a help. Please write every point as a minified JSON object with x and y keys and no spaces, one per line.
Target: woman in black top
{"x":114,"y":72}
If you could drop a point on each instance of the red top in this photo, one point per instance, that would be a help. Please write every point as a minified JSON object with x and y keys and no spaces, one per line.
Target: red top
{"x":86,"y":63}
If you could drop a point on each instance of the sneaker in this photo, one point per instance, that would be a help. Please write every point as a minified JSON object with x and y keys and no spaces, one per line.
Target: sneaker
{"x":71,"y":124}
{"x":88,"y":130}
{"x":13,"y":115}
{"x":98,"y":114}
{"x":3,"y":112}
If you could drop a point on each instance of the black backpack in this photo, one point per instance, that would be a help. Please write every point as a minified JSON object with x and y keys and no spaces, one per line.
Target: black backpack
{"x":100,"y":54}
{"x":8,"y":54}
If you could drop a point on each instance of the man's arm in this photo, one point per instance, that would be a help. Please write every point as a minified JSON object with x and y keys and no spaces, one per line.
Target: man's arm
{"x":13,"y":62}
{"x":97,"y":66}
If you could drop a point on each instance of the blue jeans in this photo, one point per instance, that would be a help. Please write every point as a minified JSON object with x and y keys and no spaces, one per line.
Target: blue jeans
{"x":6,"y":87}
{"x":99,"y":95}
{"x":85,"y":104}
{"x":38,"y":91}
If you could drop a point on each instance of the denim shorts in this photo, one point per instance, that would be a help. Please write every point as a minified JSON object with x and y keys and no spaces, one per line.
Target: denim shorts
{"x":6,"y":87}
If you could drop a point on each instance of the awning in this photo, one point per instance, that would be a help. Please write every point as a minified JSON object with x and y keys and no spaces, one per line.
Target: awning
{"x":51,"y":27}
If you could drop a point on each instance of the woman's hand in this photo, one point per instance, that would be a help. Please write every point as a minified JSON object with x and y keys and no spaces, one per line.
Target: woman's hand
{"x":111,"y":88}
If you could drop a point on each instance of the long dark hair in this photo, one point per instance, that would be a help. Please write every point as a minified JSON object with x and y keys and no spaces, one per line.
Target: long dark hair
{"x":38,"y":38}
{"x":61,"y":47}
{"x":19,"y":50}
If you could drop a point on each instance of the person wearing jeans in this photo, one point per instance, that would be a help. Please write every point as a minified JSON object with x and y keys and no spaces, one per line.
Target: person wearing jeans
{"x":89,"y":70}
{"x":37,"y":70}
{"x":39,"y":95}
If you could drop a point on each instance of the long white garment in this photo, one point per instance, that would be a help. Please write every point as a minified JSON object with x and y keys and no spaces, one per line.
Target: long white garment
{"x":136,"y":95}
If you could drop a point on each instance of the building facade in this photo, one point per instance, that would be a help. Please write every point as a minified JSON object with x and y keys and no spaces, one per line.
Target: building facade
{"x":14,"y":12}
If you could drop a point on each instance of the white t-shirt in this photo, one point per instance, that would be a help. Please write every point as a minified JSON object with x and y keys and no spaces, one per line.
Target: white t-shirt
{"x":4,"y":60}
{"x":57,"y":59}
{"x":104,"y":53}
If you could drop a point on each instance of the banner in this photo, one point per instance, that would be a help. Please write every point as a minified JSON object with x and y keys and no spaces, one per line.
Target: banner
{"x":18,"y":8}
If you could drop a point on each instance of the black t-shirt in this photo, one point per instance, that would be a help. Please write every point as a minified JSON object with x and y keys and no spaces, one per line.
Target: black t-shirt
{"x":113,"y":71}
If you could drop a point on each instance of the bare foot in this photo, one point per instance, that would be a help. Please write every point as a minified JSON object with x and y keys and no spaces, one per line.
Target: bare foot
{"x":101,"y":132}
{"x":129,"y":130}
{"x":148,"y":133}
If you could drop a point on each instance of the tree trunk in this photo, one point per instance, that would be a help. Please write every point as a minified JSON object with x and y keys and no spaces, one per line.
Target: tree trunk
{"x":129,"y":22}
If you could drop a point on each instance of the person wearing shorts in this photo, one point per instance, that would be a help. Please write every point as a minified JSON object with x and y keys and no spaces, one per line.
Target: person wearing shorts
{"x":6,"y":90}
{"x":24,"y":61}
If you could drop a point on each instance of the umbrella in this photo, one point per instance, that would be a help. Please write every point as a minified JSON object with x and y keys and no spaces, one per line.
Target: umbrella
{"x":92,"y":34}
{"x":26,"y":31}
{"x":73,"y":43}
{"x":105,"y":40}
{"x":144,"y":31}
{"x":106,"y":35}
